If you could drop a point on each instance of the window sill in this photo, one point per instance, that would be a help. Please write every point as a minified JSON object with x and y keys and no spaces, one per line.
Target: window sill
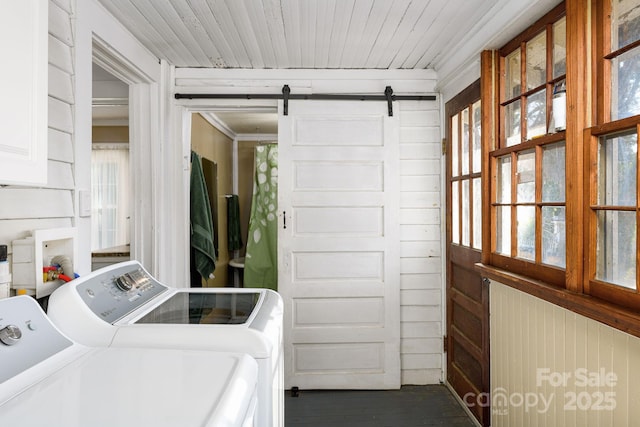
{"x":612,"y":315}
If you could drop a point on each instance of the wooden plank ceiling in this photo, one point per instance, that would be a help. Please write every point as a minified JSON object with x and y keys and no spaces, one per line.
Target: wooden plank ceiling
{"x":341,"y":34}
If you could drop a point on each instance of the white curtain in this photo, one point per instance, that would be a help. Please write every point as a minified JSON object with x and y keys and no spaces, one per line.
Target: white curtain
{"x":109,"y":195}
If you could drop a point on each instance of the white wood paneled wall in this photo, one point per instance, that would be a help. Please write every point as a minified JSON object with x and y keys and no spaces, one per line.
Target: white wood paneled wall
{"x":23,"y":209}
{"x":421,"y":281}
{"x":540,"y":350}
{"x":421,"y":284}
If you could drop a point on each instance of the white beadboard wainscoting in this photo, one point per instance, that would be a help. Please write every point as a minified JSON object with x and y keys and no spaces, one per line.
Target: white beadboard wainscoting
{"x":553,"y":367}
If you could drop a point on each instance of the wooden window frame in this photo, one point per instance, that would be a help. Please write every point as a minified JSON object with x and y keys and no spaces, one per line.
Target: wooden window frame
{"x":588,"y":102}
{"x":470,"y":176}
{"x":598,"y":288}
{"x":535,"y":268}
{"x":602,"y":56}
{"x":602,"y":76}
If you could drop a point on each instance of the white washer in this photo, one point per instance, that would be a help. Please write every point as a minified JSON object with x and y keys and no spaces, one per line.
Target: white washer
{"x":47,"y":379}
{"x":122,"y":305}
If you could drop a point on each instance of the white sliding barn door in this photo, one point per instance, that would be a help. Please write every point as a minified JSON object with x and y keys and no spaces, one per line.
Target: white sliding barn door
{"x":339,"y":244}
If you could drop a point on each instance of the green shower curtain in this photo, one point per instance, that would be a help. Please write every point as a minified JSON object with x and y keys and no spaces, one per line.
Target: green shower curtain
{"x":261,"y":260}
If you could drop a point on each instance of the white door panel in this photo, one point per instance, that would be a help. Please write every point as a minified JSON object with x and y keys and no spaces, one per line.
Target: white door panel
{"x":339,"y":244}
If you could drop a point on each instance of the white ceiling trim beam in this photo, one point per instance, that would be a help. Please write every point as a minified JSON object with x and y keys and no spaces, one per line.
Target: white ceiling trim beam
{"x":199,"y":80}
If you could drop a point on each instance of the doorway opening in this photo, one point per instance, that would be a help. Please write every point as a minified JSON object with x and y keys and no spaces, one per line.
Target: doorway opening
{"x":110,"y":170}
{"x":226,"y":140}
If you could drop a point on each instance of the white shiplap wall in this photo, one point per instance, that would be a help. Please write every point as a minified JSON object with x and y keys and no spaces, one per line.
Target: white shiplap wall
{"x":529,"y":334}
{"x":421,"y":280}
{"x":23,"y":209}
{"x":421,"y":284}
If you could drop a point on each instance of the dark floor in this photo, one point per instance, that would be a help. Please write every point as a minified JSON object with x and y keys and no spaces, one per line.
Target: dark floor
{"x":410,"y":406}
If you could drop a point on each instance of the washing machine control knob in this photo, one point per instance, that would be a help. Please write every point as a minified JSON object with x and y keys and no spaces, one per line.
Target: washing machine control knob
{"x":124,"y":283}
{"x":10,"y":335}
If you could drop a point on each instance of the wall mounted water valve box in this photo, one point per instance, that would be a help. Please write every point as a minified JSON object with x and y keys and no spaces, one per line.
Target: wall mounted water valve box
{"x":33,"y":253}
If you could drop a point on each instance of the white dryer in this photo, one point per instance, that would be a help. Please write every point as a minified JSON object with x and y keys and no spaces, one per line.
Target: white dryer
{"x":47,"y":379}
{"x":122,"y":305}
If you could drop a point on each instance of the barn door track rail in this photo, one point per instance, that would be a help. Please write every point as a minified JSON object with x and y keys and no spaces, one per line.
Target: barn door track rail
{"x":286,"y":95}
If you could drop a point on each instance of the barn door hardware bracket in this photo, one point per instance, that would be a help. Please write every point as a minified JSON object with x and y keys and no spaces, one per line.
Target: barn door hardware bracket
{"x":286,"y":90}
{"x":388,"y":92}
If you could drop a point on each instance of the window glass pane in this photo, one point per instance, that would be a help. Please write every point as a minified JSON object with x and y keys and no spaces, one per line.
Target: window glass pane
{"x":553,"y":168}
{"x":536,"y":114}
{"x":560,"y":48}
{"x":465,"y":141}
{"x":466,"y":236}
{"x":512,"y":123}
{"x":625,"y":81}
{"x":503,"y":230}
{"x":558,"y":120}
{"x":625,"y":23}
{"x":526,"y":225}
{"x":512,"y":81}
{"x":477,"y":137}
{"x":503,"y":194}
{"x":554,"y":236}
{"x":617,"y":165}
{"x":537,"y":61}
{"x":455,"y":212}
{"x":477,"y":213}
{"x":455,"y":170}
{"x":110,"y":185}
{"x":526,"y":176}
{"x":616,"y":252}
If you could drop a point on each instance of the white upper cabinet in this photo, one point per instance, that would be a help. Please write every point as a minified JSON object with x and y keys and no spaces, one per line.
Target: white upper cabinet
{"x":23,"y":85}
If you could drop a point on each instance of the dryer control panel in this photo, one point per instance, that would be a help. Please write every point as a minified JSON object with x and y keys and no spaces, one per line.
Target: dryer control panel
{"x":27,"y":337}
{"x":112,"y":293}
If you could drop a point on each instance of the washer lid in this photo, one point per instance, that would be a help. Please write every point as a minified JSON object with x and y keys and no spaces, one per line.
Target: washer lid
{"x":200,"y":308}
{"x":140,"y":387}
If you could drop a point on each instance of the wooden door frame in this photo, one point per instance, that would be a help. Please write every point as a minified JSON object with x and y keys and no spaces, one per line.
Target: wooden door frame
{"x":101,"y":39}
{"x":466,"y":97}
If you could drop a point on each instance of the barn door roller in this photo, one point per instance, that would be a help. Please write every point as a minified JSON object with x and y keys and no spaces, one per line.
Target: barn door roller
{"x":287,"y":95}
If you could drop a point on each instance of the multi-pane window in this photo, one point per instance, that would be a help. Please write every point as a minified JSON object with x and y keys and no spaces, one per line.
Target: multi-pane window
{"x":466,"y":190}
{"x":528,"y":202}
{"x":539,"y":215}
{"x":614,"y":210}
{"x":565,"y":204}
{"x":533,"y":74}
{"x":612,"y":182}
{"x":625,"y":58}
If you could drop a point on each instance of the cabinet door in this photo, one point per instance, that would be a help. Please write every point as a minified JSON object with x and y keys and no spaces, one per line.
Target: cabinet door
{"x":23,"y":85}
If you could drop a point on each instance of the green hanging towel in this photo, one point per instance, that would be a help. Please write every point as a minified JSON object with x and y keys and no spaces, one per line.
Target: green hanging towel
{"x":233,"y":223}
{"x":204,"y":252}
{"x":261,"y":261}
